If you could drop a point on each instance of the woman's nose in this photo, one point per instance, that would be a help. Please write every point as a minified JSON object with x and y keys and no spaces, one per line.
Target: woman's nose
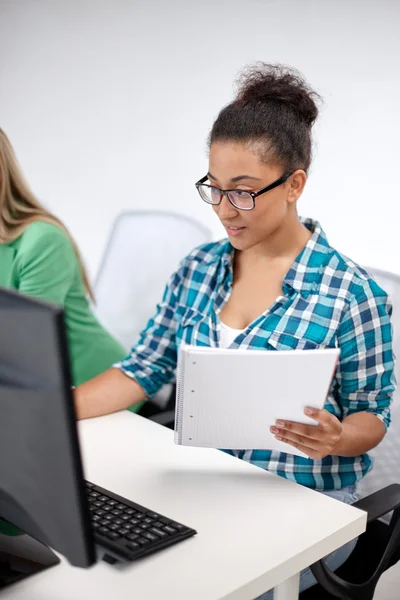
{"x":225,"y":210}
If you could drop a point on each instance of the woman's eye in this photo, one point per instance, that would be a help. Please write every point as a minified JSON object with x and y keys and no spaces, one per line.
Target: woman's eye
{"x":241,"y":192}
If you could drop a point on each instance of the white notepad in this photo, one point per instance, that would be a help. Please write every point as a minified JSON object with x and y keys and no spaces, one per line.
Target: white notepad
{"x":229,"y":398}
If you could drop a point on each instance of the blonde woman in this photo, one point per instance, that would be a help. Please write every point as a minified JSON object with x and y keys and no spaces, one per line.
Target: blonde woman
{"x":39,"y":258}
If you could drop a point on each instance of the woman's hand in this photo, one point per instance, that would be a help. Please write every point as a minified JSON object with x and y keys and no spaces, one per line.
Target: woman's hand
{"x":317,"y":441}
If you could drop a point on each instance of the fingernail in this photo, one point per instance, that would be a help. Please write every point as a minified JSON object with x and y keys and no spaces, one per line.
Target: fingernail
{"x":274,"y":430}
{"x":280,"y":424}
{"x":278,"y":437}
{"x":309,"y":411}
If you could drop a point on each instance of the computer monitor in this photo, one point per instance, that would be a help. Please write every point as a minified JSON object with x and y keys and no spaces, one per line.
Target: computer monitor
{"x":42,"y":491}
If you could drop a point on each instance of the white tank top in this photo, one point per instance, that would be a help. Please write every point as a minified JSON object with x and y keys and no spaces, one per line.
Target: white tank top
{"x":228,"y":334}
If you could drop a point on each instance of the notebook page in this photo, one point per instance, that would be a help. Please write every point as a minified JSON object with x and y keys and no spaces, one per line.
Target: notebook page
{"x":232,"y":397}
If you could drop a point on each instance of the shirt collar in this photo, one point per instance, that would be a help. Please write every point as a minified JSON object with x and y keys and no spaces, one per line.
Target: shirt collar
{"x":305,"y":273}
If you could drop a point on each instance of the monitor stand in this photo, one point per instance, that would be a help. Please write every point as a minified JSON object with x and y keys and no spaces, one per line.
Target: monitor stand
{"x":21,"y":555}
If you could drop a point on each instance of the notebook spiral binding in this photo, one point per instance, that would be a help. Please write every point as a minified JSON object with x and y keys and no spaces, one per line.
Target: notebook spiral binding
{"x":179,"y":396}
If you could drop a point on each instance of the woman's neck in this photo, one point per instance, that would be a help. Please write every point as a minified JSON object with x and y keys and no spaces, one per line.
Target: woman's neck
{"x":287,"y":240}
{"x":279,"y":250}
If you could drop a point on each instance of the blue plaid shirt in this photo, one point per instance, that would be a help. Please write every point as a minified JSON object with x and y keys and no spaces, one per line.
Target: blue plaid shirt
{"x":328,"y":301}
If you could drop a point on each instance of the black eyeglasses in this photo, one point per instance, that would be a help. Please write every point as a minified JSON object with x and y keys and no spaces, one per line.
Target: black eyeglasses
{"x":240,"y":199}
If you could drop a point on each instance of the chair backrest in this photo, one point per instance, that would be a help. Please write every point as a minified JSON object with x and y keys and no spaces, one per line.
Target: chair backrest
{"x":143,"y":250}
{"x":386,"y":456}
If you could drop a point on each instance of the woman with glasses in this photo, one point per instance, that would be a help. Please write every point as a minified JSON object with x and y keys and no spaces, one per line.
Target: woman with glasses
{"x":274,"y":283}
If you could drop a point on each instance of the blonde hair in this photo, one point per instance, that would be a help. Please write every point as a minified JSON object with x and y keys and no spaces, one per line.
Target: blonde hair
{"x":19,"y":207}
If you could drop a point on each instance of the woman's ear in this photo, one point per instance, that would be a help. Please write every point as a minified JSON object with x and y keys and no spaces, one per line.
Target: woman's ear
{"x":296,"y":182}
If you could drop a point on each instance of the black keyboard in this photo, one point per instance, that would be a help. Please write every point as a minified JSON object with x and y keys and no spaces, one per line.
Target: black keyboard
{"x":129,"y":529}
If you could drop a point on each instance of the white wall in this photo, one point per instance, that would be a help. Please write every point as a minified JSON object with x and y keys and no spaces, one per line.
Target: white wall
{"x":109,"y":102}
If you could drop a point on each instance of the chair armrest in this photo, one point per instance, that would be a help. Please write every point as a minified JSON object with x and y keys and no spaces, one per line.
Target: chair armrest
{"x":376,"y":505}
{"x":380,"y":503}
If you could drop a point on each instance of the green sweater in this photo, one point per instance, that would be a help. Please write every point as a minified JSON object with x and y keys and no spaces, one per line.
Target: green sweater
{"x":42,"y":263}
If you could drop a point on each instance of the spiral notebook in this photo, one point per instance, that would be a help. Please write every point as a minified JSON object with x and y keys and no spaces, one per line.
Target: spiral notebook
{"x":229,"y":398}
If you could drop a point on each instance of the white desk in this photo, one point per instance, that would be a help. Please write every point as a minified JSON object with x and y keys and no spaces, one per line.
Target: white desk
{"x":255,"y":530}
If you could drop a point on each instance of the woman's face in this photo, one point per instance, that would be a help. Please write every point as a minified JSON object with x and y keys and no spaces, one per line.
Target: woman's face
{"x":233,"y":166}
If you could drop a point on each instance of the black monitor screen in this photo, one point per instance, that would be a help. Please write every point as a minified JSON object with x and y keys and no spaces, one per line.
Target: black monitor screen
{"x":42,"y":491}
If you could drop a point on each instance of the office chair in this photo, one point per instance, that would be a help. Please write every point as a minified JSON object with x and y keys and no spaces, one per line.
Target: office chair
{"x":143,"y":250}
{"x":379,"y":547}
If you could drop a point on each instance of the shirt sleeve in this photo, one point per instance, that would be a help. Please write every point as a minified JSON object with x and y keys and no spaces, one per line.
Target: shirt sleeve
{"x":152,"y":361}
{"x":366,"y":369}
{"x":47,"y":265}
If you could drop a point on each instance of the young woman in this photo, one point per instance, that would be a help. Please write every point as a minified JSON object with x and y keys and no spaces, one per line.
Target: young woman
{"x":275,"y":283}
{"x":39,"y":258}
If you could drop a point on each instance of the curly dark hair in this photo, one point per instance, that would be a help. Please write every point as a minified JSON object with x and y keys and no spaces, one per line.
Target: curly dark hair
{"x":273,"y":113}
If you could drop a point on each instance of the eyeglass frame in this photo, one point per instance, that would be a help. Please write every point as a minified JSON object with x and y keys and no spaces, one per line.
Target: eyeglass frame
{"x":253,"y":195}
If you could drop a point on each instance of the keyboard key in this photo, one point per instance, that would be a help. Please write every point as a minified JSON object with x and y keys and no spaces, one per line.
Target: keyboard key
{"x":104,"y":522}
{"x":142,"y":541}
{"x":116,"y":512}
{"x":89,"y":485}
{"x":137,"y":530}
{"x":113,"y":535}
{"x":139,"y":515}
{"x":149,"y":521}
{"x":102,"y":530}
{"x":153,"y":515}
{"x":107,"y":508}
{"x":144,"y":525}
{"x":112,"y":502}
{"x":113,"y":527}
{"x":123,"y":531}
{"x":151,"y":537}
{"x":109,"y":517}
{"x":133,"y":521}
{"x":177,"y":526}
{"x":125,"y":517}
{"x":129,"y":511}
{"x":118,"y":521}
{"x":132,"y":536}
{"x":169,"y":530}
{"x":165,"y":520}
{"x":94,"y":494}
{"x":132,"y":546}
{"x":158,"y":532}
{"x":99,"y":512}
{"x":157,"y":524}
{"x":97,"y":503}
{"x":121,"y":506}
{"x":103,"y":498}
{"x":96,"y":518}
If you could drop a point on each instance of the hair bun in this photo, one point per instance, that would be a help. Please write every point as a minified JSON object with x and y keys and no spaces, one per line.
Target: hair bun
{"x":268,"y":83}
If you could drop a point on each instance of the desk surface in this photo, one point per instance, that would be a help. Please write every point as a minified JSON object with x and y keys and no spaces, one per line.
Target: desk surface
{"x":254,"y":529}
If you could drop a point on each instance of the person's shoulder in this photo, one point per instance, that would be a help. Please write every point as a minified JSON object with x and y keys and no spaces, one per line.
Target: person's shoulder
{"x":45,"y":243}
{"x":208,"y":253}
{"x":199,"y":261}
{"x":41,"y":234}
{"x":354,"y":280}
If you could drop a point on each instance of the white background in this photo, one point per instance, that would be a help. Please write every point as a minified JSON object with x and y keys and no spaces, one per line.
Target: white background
{"x":108,"y":104}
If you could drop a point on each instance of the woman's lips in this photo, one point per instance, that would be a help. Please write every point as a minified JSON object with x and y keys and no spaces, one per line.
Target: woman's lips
{"x":234,"y":230}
